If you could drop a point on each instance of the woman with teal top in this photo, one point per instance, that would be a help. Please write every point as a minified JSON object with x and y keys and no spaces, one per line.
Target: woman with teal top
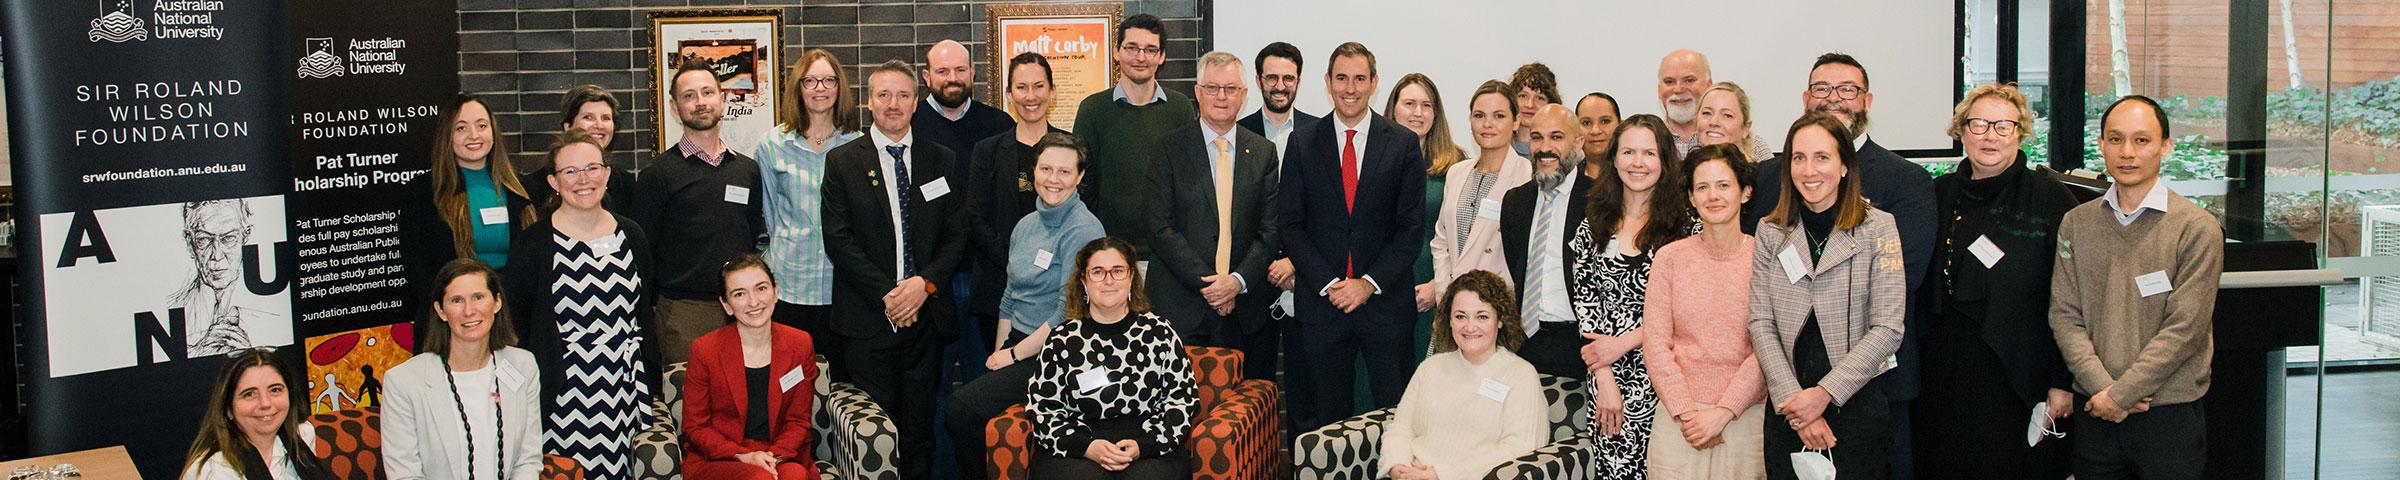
{"x":817,"y":116}
{"x":1041,"y":259}
{"x":474,"y":200}
{"x":1415,"y":104}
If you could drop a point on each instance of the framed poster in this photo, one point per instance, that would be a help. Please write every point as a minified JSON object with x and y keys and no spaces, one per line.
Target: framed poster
{"x":1078,"y":38}
{"x":742,"y":46}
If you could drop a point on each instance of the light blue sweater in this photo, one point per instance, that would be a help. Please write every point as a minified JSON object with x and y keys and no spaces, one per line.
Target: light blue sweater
{"x":1036,"y":291}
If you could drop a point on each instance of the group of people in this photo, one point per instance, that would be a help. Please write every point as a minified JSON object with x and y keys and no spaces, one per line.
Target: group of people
{"x":1737,"y":309}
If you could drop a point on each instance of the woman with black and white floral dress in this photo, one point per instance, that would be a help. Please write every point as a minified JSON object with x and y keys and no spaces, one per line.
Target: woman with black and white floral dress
{"x":585,"y":309}
{"x":1114,"y":395}
{"x":1636,"y":209}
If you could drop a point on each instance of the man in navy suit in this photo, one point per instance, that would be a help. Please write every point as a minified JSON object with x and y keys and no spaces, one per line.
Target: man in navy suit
{"x":1353,"y":213}
{"x":1278,"y":89}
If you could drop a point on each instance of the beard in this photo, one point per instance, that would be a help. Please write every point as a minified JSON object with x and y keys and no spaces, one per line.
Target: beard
{"x":1684,"y":114}
{"x":1546,"y":179}
{"x":951,"y":95}
{"x":700,"y":121}
{"x":1279,"y":108}
{"x":1858,"y":120}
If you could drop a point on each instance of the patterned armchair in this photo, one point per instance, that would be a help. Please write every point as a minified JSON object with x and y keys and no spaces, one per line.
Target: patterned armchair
{"x":1233,"y":437}
{"x":350,"y":442}
{"x":1347,"y":449}
{"x":862,"y":444}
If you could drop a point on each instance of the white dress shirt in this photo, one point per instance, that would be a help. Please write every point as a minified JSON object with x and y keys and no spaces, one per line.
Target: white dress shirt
{"x":1343,"y":140}
{"x":2155,"y":200}
{"x":891,"y":191}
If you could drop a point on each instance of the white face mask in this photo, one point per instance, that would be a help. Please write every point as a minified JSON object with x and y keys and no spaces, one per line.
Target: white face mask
{"x":2041,"y":425}
{"x":1812,"y":465}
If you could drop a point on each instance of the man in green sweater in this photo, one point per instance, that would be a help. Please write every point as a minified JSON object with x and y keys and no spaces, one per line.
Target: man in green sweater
{"x":1121,"y":127}
{"x":2132,"y":295}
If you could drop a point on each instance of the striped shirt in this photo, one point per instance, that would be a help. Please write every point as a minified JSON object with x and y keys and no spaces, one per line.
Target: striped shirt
{"x":790,"y":174}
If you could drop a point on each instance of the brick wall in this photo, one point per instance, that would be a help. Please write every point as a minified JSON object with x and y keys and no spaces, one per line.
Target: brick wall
{"x":522,"y":54}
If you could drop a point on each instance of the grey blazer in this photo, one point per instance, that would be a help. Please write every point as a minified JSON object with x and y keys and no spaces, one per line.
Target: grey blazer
{"x":1858,"y":288}
{"x":423,"y":436}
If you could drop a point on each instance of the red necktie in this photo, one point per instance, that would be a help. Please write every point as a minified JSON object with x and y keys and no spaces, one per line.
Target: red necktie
{"x":1349,"y":190}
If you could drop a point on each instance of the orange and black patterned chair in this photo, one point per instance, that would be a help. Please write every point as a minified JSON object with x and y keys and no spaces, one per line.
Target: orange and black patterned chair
{"x":1233,"y":438}
{"x":350,"y":442}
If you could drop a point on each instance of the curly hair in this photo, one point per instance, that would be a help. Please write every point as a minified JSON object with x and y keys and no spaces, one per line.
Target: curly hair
{"x":1080,"y":309}
{"x":1492,"y":290}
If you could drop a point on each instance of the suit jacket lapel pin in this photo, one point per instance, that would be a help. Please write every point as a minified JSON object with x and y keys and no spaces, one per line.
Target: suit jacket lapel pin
{"x":872,"y":181}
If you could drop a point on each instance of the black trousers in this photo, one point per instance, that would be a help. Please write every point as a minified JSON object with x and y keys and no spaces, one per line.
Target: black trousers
{"x":2167,"y":442}
{"x":974,"y":404}
{"x":1295,"y":382}
{"x":902,"y":373}
{"x":1332,"y":346}
{"x":1862,"y":432}
{"x":814,"y":319}
{"x":1556,"y":350}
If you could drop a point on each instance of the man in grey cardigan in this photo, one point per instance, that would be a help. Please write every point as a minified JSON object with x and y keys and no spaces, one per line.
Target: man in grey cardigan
{"x":2131,"y":297}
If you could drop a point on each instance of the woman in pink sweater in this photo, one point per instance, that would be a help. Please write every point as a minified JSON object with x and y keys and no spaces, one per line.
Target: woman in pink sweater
{"x":1697,"y":338}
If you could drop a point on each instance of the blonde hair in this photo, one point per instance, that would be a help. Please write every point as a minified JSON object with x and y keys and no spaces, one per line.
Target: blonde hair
{"x":2003,"y":91}
{"x":1742,"y":99}
{"x":1440,"y":151}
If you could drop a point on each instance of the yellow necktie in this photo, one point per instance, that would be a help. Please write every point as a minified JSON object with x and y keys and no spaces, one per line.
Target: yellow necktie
{"x":1224,"y":174}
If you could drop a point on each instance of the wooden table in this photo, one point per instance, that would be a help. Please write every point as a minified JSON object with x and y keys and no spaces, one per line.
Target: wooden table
{"x":102,"y":463}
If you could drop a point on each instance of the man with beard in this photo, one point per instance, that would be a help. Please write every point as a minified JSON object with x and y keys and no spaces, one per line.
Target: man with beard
{"x":951,"y":116}
{"x":1837,"y":84}
{"x":1535,"y":220}
{"x":1682,"y":77}
{"x":700,"y":202}
{"x":1122,"y":126}
{"x":1278,"y":86}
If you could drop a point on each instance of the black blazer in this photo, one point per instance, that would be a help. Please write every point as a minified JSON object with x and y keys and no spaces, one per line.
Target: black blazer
{"x":2022,"y":219}
{"x":1516,"y":225}
{"x":1380,"y":238}
{"x":1183,"y":244}
{"x":425,"y":242}
{"x":996,"y":201}
{"x":1257,"y":121}
{"x":858,"y":237}
{"x":530,"y":307}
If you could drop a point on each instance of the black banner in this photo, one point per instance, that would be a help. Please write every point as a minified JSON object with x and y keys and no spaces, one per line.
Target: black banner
{"x":195,"y":177}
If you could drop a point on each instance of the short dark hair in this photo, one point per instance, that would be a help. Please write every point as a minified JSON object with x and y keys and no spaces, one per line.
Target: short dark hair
{"x":1613,"y":109}
{"x":1731,"y":154}
{"x":1351,"y":49}
{"x":686,"y":65}
{"x":1030,"y":58}
{"x":1069,"y":141}
{"x":1535,"y":76}
{"x":2156,"y":112}
{"x":1843,"y":59}
{"x":573,"y":101}
{"x":1142,"y":21}
{"x":742,"y":261}
{"x":1278,"y":50}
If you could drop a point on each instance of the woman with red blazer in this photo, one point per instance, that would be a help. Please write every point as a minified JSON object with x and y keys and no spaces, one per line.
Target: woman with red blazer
{"x":749,"y":389}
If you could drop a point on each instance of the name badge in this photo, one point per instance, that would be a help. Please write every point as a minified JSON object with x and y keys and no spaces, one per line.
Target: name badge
{"x":494,"y":215}
{"x":2152,"y":283}
{"x":1494,"y":390}
{"x":1092,"y":379}
{"x":605,"y":246}
{"x":792,"y":378}
{"x":1985,"y":250}
{"x":1792,"y":268}
{"x":509,"y":376}
{"x":1041,"y":259}
{"x":1611,"y":250}
{"x":935,"y":189}
{"x":1487,"y":208}
{"x":737,"y":195}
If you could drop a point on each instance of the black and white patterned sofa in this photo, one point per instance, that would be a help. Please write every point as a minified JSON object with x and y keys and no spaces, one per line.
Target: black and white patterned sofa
{"x":862,"y":444}
{"x":1347,"y":450}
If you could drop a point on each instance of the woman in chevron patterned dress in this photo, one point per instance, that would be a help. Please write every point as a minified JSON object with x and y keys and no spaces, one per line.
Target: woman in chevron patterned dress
{"x":585,"y":303}
{"x":1635,"y":209}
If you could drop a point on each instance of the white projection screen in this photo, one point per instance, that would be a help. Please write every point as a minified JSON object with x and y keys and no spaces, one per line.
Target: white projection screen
{"x":1908,"y":46}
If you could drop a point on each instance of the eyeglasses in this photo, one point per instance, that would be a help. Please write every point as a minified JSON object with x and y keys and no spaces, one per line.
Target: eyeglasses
{"x":1847,"y":91}
{"x":1107,"y":273}
{"x":1219,"y":90}
{"x":818,"y":82}
{"x":1141,"y":51}
{"x":1980,"y":126}
{"x":587,"y":169}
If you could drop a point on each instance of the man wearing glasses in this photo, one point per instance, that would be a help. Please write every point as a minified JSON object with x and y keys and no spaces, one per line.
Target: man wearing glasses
{"x":1278,"y":89}
{"x":1837,"y":85}
{"x":1122,"y":127}
{"x":1215,"y":208}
